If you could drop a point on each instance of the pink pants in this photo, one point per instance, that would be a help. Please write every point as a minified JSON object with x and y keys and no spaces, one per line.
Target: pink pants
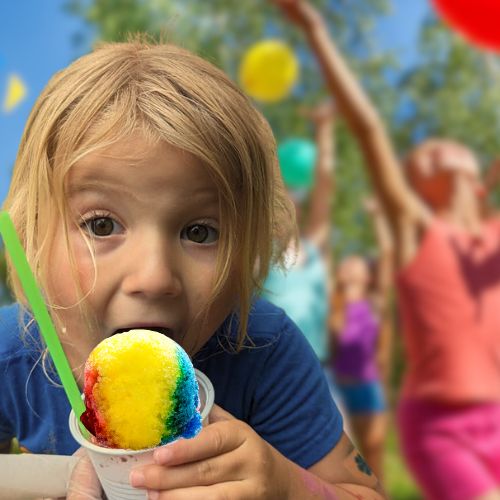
{"x":453,"y":452}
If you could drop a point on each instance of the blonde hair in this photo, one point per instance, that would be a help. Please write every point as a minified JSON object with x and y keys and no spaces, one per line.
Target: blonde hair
{"x":171,"y":95}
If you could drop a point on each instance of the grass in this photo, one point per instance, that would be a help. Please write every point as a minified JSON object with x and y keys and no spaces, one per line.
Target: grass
{"x":398,"y":481}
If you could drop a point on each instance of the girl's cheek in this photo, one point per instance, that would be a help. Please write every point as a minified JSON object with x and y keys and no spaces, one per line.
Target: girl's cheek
{"x":86,"y":272}
{"x":68,"y":274}
{"x":61,"y":285}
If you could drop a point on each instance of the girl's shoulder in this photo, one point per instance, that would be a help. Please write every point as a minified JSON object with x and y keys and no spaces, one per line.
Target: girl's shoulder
{"x":266,"y":318}
{"x":268,"y":328}
{"x":269,"y":324}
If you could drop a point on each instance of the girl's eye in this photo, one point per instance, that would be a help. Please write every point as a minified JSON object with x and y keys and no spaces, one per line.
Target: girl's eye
{"x":101,"y":226}
{"x":200,"y":233}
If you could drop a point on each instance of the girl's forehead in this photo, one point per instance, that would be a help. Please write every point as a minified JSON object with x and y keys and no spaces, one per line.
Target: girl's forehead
{"x":139,"y":166}
{"x":120,"y":144}
{"x":131,"y":150}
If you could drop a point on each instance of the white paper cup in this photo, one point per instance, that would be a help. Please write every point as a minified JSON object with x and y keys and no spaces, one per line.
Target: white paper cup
{"x":113,"y":465}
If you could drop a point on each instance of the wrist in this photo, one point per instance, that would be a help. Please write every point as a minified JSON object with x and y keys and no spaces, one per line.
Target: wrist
{"x":313,"y":24}
{"x":289,"y":483}
{"x":324,"y":127}
{"x":305,"y":485}
{"x":310,"y":18}
{"x":295,"y":484}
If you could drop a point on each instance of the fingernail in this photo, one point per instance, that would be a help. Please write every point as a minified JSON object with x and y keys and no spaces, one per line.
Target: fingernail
{"x":153,"y":495}
{"x":137,"y":478}
{"x":163,"y":455}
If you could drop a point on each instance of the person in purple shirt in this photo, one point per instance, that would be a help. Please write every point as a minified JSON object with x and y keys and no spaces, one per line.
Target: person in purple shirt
{"x":361,"y":340}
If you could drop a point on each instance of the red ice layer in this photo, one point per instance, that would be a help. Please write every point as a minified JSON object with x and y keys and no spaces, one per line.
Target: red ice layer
{"x":91,"y":417}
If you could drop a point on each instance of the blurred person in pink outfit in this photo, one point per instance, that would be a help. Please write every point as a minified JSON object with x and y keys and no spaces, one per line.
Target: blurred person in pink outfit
{"x":448,"y":282}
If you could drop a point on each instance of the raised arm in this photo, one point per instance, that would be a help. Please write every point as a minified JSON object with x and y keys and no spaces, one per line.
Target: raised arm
{"x":385,"y":251}
{"x":360,"y":114}
{"x":383,"y":285}
{"x":318,"y":223}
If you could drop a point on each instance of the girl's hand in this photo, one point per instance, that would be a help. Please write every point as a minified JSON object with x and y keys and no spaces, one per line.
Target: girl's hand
{"x":226,"y":460}
{"x":320,"y":114}
{"x":299,"y":12}
{"x":83,"y":484}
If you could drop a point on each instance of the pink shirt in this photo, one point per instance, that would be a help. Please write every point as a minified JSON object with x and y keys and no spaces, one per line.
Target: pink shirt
{"x":450,"y":309}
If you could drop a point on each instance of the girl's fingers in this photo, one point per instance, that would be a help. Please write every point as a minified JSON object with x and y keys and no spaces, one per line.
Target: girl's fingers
{"x":206,"y":459}
{"x":215,"y":439}
{"x":208,"y":472}
{"x":211,"y":441}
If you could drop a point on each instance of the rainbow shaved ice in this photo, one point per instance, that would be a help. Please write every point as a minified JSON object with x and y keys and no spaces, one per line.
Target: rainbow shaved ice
{"x":140,"y":391}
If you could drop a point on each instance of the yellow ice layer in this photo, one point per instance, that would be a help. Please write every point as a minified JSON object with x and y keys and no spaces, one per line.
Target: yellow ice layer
{"x":138,"y":373}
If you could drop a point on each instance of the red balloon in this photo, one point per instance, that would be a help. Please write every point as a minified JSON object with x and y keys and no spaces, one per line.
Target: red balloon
{"x":476,"y":20}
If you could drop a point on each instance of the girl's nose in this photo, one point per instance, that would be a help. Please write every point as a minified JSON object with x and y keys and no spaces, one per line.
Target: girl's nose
{"x":153,"y":270}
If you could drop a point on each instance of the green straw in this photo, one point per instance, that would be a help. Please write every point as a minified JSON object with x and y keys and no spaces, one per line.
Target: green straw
{"x":42,"y":317}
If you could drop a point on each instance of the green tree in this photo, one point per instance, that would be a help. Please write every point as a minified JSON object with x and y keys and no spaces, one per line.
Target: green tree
{"x":453,"y":92}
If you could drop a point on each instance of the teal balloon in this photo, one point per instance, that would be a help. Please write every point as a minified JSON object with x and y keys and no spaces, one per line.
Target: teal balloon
{"x":297,"y":158}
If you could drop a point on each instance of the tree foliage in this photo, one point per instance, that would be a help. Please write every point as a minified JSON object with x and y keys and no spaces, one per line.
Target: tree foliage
{"x":453,"y":92}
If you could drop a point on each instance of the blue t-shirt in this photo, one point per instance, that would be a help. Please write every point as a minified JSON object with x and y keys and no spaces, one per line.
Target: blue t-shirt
{"x":275,"y":384}
{"x":302,"y":291}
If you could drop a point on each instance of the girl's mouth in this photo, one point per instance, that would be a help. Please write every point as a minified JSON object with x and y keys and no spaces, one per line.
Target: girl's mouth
{"x":163,"y":330}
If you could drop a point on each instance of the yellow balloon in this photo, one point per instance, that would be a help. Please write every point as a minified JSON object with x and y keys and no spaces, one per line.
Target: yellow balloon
{"x":269,"y":70}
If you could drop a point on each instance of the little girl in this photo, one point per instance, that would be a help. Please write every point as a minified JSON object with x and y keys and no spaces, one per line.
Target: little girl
{"x":147,"y":194}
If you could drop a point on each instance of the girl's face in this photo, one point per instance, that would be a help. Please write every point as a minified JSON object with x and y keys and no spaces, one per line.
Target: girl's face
{"x":154,"y":224}
{"x":434,"y":166}
{"x":353,"y":270}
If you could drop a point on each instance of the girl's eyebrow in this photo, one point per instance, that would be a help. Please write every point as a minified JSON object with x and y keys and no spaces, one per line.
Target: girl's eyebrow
{"x":100,"y":187}
{"x":103,"y":188}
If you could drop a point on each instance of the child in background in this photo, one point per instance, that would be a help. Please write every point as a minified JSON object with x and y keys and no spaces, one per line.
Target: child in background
{"x":448,"y":283}
{"x":302,"y":289}
{"x":147,"y":194}
{"x":359,"y":325}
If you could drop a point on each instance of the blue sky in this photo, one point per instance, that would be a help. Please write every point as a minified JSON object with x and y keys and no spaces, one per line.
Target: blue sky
{"x":36,"y":41}
{"x":400,"y":28}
